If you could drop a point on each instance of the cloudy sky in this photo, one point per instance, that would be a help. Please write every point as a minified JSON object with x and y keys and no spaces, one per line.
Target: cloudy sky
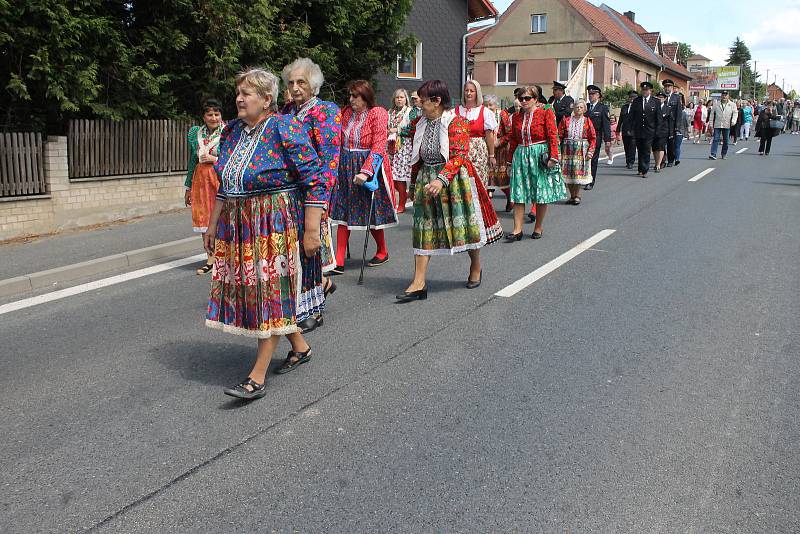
{"x":773,"y":37}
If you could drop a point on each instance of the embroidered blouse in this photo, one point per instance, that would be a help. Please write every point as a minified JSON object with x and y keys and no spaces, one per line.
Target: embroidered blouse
{"x":576,"y":129}
{"x":452,"y":132}
{"x":275,"y":155}
{"x":473,"y":114}
{"x":503,"y":128}
{"x":323,"y":123}
{"x":533,"y":127}
{"x":367,"y":130}
{"x":201,"y":141}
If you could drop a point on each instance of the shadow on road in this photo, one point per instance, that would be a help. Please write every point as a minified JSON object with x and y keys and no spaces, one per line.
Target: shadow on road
{"x":216,"y":364}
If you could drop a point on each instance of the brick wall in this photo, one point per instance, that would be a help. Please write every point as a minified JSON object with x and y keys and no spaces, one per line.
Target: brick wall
{"x":84,"y":202}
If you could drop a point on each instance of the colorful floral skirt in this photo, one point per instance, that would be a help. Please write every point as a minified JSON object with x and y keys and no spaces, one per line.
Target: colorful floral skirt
{"x":575,"y":168}
{"x":204,"y":190}
{"x":479,"y":156}
{"x":262,"y":284}
{"x":349,"y":204}
{"x":460,"y":218}
{"x":498,"y":177}
{"x":533,"y":182}
{"x":401,"y":161}
{"x":326,"y":251}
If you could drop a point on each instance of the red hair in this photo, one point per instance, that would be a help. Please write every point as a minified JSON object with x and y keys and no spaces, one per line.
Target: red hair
{"x":363,"y":89}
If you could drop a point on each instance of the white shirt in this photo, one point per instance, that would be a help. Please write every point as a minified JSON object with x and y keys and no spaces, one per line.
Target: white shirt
{"x":489,"y":120}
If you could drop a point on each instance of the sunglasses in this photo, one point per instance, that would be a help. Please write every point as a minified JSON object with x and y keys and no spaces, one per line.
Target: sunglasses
{"x":526,"y":98}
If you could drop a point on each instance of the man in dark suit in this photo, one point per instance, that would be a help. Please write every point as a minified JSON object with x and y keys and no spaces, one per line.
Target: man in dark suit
{"x":675,"y":103}
{"x":598,"y":113}
{"x":625,"y":127}
{"x":662,"y":130}
{"x":562,"y":105}
{"x":645,"y":123}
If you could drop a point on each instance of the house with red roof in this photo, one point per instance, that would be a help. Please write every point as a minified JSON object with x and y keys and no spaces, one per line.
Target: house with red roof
{"x":538,"y":41}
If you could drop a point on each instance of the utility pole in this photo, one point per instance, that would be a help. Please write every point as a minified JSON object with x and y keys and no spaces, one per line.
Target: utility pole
{"x":755,"y":79}
{"x":766,"y":86}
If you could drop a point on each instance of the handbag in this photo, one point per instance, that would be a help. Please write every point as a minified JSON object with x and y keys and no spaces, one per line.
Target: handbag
{"x":777,"y":124}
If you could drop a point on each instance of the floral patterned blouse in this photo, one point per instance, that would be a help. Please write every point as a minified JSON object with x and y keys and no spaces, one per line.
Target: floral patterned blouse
{"x":458,"y":139}
{"x":577,"y":128}
{"x":367,"y":130}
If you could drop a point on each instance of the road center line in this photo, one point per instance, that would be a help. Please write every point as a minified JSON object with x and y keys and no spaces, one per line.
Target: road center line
{"x":97,"y":284}
{"x":695,"y":178}
{"x":552,"y":265}
{"x":741,"y":150}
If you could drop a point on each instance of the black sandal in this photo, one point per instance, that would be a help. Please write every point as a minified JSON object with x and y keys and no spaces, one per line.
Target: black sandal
{"x":240,"y":391}
{"x":293,"y":360}
{"x":339,"y":269}
{"x":205,"y":269}
{"x":330,"y":287}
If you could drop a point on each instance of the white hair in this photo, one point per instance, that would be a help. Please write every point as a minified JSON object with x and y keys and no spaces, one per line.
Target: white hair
{"x":313,"y":73}
{"x":491,"y":100}
{"x":263,"y":81}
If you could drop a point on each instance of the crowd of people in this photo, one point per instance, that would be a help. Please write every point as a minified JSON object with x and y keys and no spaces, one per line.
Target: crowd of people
{"x":267,"y":187}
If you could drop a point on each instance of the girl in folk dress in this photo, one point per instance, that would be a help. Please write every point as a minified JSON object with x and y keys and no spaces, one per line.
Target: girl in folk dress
{"x":533,"y":151}
{"x":201,"y":179}
{"x":400,"y":117}
{"x":452,"y":209}
{"x":364,"y":139}
{"x":482,"y":128}
{"x":577,"y":149}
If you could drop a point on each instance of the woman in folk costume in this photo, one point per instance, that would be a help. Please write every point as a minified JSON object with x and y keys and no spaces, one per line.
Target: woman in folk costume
{"x":323,"y":124}
{"x":482,"y":128}
{"x":364,"y":138}
{"x":266,"y":217}
{"x":533,"y":151}
{"x":400,"y":117}
{"x":577,"y":148}
{"x":498,"y":176}
{"x":452,"y":209}
{"x":201,"y":178}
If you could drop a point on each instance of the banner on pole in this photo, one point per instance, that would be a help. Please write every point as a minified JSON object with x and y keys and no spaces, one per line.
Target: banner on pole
{"x":715,"y":78}
{"x":583,"y":76}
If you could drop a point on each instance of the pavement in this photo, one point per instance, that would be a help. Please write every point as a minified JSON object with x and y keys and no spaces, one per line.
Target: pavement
{"x":650,"y":384}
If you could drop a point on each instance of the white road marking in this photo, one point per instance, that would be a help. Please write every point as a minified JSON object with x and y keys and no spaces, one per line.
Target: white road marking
{"x":97,"y":284}
{"x":741,"y":150}
{"x":697,"y":177}
{"x":615,"y":154}
{"x":549,"y":267}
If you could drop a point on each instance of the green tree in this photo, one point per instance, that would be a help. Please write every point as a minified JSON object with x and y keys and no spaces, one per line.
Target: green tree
{"x":119,"y":59}
{"x":739,"y":54}
{"x":684,"y":53}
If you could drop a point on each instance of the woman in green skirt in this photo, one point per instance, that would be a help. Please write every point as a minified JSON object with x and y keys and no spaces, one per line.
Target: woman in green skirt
{"x":452,"y":209}
{"x":533,"y":153}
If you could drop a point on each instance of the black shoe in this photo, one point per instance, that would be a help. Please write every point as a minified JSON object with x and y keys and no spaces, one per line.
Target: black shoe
{"x":473,"y":284}
{"x":644,"y":175}
{"x":588,"y":187}
{"x":329,"y":289}
{"x":670,"y":164}
{"x":536,"y":235}
{"x":712,"y":157}
{"x":657,"y":170}
{"x":310,"y":324}
{"x":677,"y":162}
{"x":409,"y":296}
{"x":293,"y":360}
{"x":576,"y":201}
{"x":240,"y":390}
{"x":510,"y":238}
{"x":376,"y":261}
{"x":531,"y":218}
{"x":629,"y":166}
{"x":339,"y":269}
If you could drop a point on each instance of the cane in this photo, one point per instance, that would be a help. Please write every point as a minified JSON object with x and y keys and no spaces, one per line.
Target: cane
{"x":366,"y":238}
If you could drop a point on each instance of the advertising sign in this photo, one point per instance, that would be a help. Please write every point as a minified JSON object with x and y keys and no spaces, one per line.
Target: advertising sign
{"x":715,"y":78}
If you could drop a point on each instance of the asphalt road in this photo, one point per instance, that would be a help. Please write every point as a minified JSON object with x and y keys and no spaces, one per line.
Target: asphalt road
{"x":651,"y":384}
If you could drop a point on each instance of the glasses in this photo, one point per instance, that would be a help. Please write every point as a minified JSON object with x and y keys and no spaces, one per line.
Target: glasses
{"x":526,"y":98}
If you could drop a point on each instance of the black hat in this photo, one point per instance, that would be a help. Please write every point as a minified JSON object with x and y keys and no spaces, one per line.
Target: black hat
{"x":661,"y":93}
{"x":559,"y":85}
{"x":724,"y":93}
{"x":633,"y":93}
{"x":667,"y":82}
{"x":646,"y":85}
{"x":591,"y":88}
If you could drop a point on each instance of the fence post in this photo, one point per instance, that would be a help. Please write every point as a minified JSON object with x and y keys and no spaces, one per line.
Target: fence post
{"x":56,"y":165}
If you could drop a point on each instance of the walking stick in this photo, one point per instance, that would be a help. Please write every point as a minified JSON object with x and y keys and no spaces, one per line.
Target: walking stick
{"x":366,"y":238}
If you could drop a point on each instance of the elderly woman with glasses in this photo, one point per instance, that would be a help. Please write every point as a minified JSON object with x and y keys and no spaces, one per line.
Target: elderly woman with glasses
{"x":400,"y":117}
{"x":323,"y":123}
{"x":533,"y":151}
{"x":266,"y":217}
{"x":364,"y":138}
{"x":452,"y":209}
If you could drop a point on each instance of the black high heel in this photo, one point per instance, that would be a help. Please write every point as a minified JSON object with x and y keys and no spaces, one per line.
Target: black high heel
{"x":329,"y":289}
{"x":510,"y":238}
{"x":472,"y":284}
{"x":409,"y":296}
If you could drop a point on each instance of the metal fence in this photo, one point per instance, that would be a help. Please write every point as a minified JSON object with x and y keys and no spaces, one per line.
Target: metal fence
{"x":22,"y":164}
{"x":99,"y":148}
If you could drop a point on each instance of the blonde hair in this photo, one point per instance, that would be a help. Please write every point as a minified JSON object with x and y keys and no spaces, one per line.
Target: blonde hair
{"x":532,"y":90}
{"x":478,"y":92}
{"x":314,"y":75}
{"x":401,"y":91}
{"x":263,"y":81}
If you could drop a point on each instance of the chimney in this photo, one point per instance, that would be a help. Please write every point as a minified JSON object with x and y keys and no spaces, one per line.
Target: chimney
{"x":630,"y":15}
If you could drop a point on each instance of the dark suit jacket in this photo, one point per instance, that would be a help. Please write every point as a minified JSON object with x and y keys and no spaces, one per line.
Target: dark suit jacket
{"x":646,"y":117}
{"x":562,"y":108}
{"x":675,"y":103}
{"x":600,"y":120}
{"x":625,"y":123}
{"x":665,"y":126}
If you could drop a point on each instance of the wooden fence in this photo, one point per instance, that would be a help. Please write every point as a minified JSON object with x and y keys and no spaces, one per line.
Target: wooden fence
{"x":22,"y":164}
{"x":107,"y":148}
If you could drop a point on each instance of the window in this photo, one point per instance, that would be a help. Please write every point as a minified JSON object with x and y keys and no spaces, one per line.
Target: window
{"x":410,"y":67}
{"x":648,"y":78}
{"x":616,"y":73}
{"x":538,"y":23}
{"x":506,"y":73}
{"x":566,"y":67}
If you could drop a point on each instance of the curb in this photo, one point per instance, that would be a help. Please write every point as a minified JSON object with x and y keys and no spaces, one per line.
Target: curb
{"x":29,"y":282}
